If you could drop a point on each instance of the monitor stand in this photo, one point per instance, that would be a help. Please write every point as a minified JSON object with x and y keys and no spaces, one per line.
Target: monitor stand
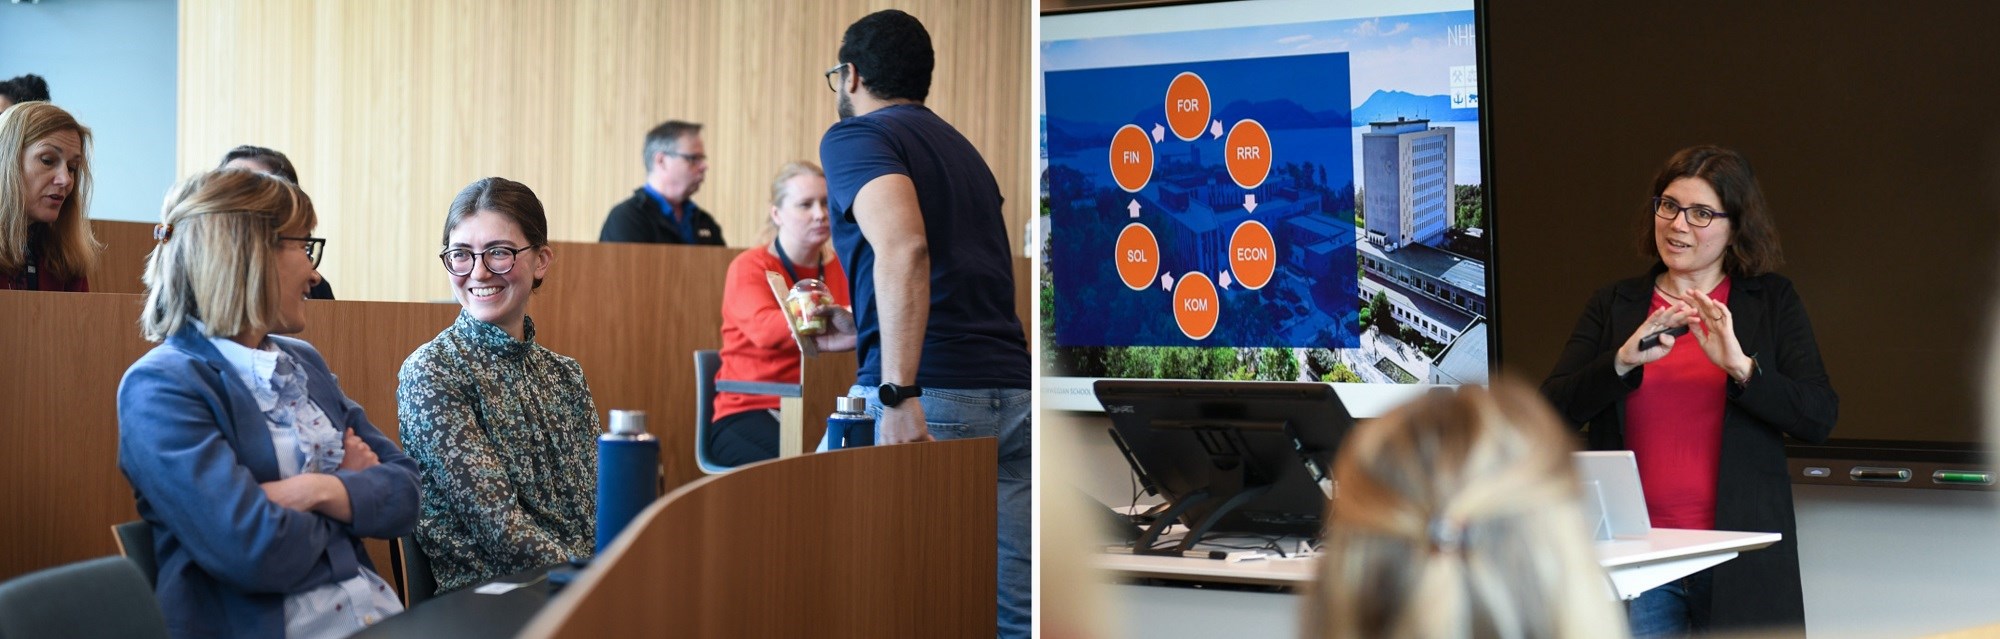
{"x":1144,"y":546}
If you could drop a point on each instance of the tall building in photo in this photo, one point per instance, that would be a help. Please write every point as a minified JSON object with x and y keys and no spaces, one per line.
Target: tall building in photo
{"x":1407,"y":179}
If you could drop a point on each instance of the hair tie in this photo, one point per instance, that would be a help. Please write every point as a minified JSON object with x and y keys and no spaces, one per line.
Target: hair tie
{"x":161,"y":232}
{"x":1446,"y":536}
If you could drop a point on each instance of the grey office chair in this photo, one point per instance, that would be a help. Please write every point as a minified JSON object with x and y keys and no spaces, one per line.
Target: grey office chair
{"x":103,"y":597}
{"x":135,"y":542}
{"x":706,"y":363}
{"x":413,"y":571}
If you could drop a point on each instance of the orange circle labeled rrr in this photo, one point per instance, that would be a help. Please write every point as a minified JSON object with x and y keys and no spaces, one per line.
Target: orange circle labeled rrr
{"x":1138,"y":256}
{"x":1131,"y":158}
{"x":1196,"y":308}
{"x":1247,"y":151}
{"x":1253,"y":256}
{"x":1187,"y":106}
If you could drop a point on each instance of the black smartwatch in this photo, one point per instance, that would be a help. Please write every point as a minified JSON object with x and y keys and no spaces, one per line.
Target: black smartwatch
{"x":890,"y":394}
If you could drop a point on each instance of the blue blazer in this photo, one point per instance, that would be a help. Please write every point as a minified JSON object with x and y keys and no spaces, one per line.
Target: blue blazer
{"x":195,"y":446}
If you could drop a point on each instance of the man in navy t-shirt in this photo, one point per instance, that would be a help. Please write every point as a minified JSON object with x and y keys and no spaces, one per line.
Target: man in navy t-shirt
{"x":917,"y":223}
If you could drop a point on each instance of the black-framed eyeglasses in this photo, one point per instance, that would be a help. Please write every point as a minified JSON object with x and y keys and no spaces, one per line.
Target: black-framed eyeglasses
{"x":1701,"y":216}
{"x":315,"y":247}
{"x":499,"y":259}
{"x":692,"y":158}
{"x":830,"y":86}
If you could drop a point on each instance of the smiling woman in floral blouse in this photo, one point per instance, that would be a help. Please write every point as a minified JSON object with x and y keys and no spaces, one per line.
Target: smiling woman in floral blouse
{"x":502,"y":429}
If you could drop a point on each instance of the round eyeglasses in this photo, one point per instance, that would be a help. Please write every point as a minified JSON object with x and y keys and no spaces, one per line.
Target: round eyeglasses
{"x":1700,"y":216}
{"x":830,"y":86}
{"x":499,"y":259}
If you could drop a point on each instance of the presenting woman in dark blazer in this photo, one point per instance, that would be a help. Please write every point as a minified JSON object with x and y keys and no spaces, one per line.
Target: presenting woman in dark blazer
{"x":1706,"y":412}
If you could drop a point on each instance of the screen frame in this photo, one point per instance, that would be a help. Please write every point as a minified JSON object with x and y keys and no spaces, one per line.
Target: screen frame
{"x":1363,"y":400}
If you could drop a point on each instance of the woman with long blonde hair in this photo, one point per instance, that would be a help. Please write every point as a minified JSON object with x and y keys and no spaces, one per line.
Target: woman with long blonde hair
{"x":1457,"y":515}
{"x":45,"y":240}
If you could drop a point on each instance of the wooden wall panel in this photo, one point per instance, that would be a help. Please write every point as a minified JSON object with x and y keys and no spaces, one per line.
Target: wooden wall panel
{"x":388,"y":108}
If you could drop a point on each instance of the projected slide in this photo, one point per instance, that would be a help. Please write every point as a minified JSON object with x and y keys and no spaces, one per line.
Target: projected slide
{"x":1288,"y":200}
{"x":1198,"y":206}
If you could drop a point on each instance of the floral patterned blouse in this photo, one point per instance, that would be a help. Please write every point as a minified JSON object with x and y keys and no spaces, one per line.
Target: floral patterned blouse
{"x":504,"y":433}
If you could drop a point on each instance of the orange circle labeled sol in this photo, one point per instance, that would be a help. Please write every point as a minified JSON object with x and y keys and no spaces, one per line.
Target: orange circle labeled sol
{"x":1247,"y":151}
{"x":1138,"y":256}
{"x":1187,"y":106}
{"x":1131,"y":158}
{"x":1196,"y":308}
{"x":1253,"y":256}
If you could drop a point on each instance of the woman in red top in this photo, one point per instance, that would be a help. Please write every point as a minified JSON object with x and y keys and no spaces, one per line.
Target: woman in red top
{"x":45,"y":240}
{"x":1706,"y":415}
{"x":756,"y":341}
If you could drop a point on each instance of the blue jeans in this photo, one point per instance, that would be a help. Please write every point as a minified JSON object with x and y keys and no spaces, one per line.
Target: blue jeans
{"x":1669,"y":610}
{"x":957,"y":413}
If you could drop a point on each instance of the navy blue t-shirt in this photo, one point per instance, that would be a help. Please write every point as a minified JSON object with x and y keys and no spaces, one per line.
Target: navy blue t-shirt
{"x":974,"y":339}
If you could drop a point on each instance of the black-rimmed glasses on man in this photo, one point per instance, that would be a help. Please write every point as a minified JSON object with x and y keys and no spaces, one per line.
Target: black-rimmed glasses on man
{"x":499,"y":259}
{"x":1697,"y":215}
{"x":830,"y":86}
{"x":315,"y":247}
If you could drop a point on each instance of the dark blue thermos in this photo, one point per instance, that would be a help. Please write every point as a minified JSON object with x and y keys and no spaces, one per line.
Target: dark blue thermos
{"x":628,"y":473}
{"x":849,"y":425}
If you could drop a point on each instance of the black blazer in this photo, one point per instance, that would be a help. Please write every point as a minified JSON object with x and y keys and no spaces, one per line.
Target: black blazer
{"x":1788,"y":394}
{"x":640,"y":219}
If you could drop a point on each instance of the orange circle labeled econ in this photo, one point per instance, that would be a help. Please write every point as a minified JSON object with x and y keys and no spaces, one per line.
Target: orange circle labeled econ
{"x":1131,"y":158}
{"x":1196,"y":308}
{"x":1138,"y":256}
{"x":1187,"y":106}
{"x":1253,"y":256}
{"x":1247,"y":151}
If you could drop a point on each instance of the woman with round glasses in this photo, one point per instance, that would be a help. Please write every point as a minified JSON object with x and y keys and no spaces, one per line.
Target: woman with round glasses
{"x":503,"y":430}
{"x":257,"y":474}
{"x":1703,"y":367}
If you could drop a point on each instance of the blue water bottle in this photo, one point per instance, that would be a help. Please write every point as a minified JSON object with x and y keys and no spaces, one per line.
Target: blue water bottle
{"x":849,"y":425}
{"x":628,"y":473}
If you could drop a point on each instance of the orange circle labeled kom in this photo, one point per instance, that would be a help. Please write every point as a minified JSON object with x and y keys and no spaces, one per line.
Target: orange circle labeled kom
{"x":1196,"y":308}
{"x":1247,"y":151}
{"x":1131,"y":158}
{"x":1253,"y":256}
{"x":1187,"y":106}
{"x":1138,"y":256}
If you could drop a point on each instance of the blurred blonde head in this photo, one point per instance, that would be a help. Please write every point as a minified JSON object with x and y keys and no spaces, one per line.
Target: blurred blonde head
{"x":1457,"y":516}
{"x":73,"y":250}
{"x":219,"y":261}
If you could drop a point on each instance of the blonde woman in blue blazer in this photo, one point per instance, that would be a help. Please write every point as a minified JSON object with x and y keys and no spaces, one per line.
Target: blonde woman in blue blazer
{"x":258,"y":476}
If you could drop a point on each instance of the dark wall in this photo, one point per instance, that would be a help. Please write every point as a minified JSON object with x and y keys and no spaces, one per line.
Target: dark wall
{"x":1874,"y":127}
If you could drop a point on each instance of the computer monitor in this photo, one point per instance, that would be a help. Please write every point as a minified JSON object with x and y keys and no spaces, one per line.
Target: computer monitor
{"x":1229,"y":457}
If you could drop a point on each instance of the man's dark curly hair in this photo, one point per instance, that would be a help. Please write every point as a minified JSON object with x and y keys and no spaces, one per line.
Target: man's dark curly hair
{"x":892,"y":52}
{"x":26,"y":88}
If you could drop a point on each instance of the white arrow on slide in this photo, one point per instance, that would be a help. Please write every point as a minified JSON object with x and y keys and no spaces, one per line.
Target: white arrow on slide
{"x":1159,"y":133}
{"x":1167,"y":281}
{"x":1225,"y":280}
{"x":1215,"y":129}
{"x":1249,"y":202}
{"x":1133,"y":207}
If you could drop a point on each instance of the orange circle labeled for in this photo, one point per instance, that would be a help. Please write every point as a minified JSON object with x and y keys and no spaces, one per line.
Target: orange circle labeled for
{"x":1138,"y":256}
{"x":1131,"y":158}
{"x":1187,"y":106}
{"x":1247,"y":151}
{"x":1253,"y":256}
{"x":1196,"y":308}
